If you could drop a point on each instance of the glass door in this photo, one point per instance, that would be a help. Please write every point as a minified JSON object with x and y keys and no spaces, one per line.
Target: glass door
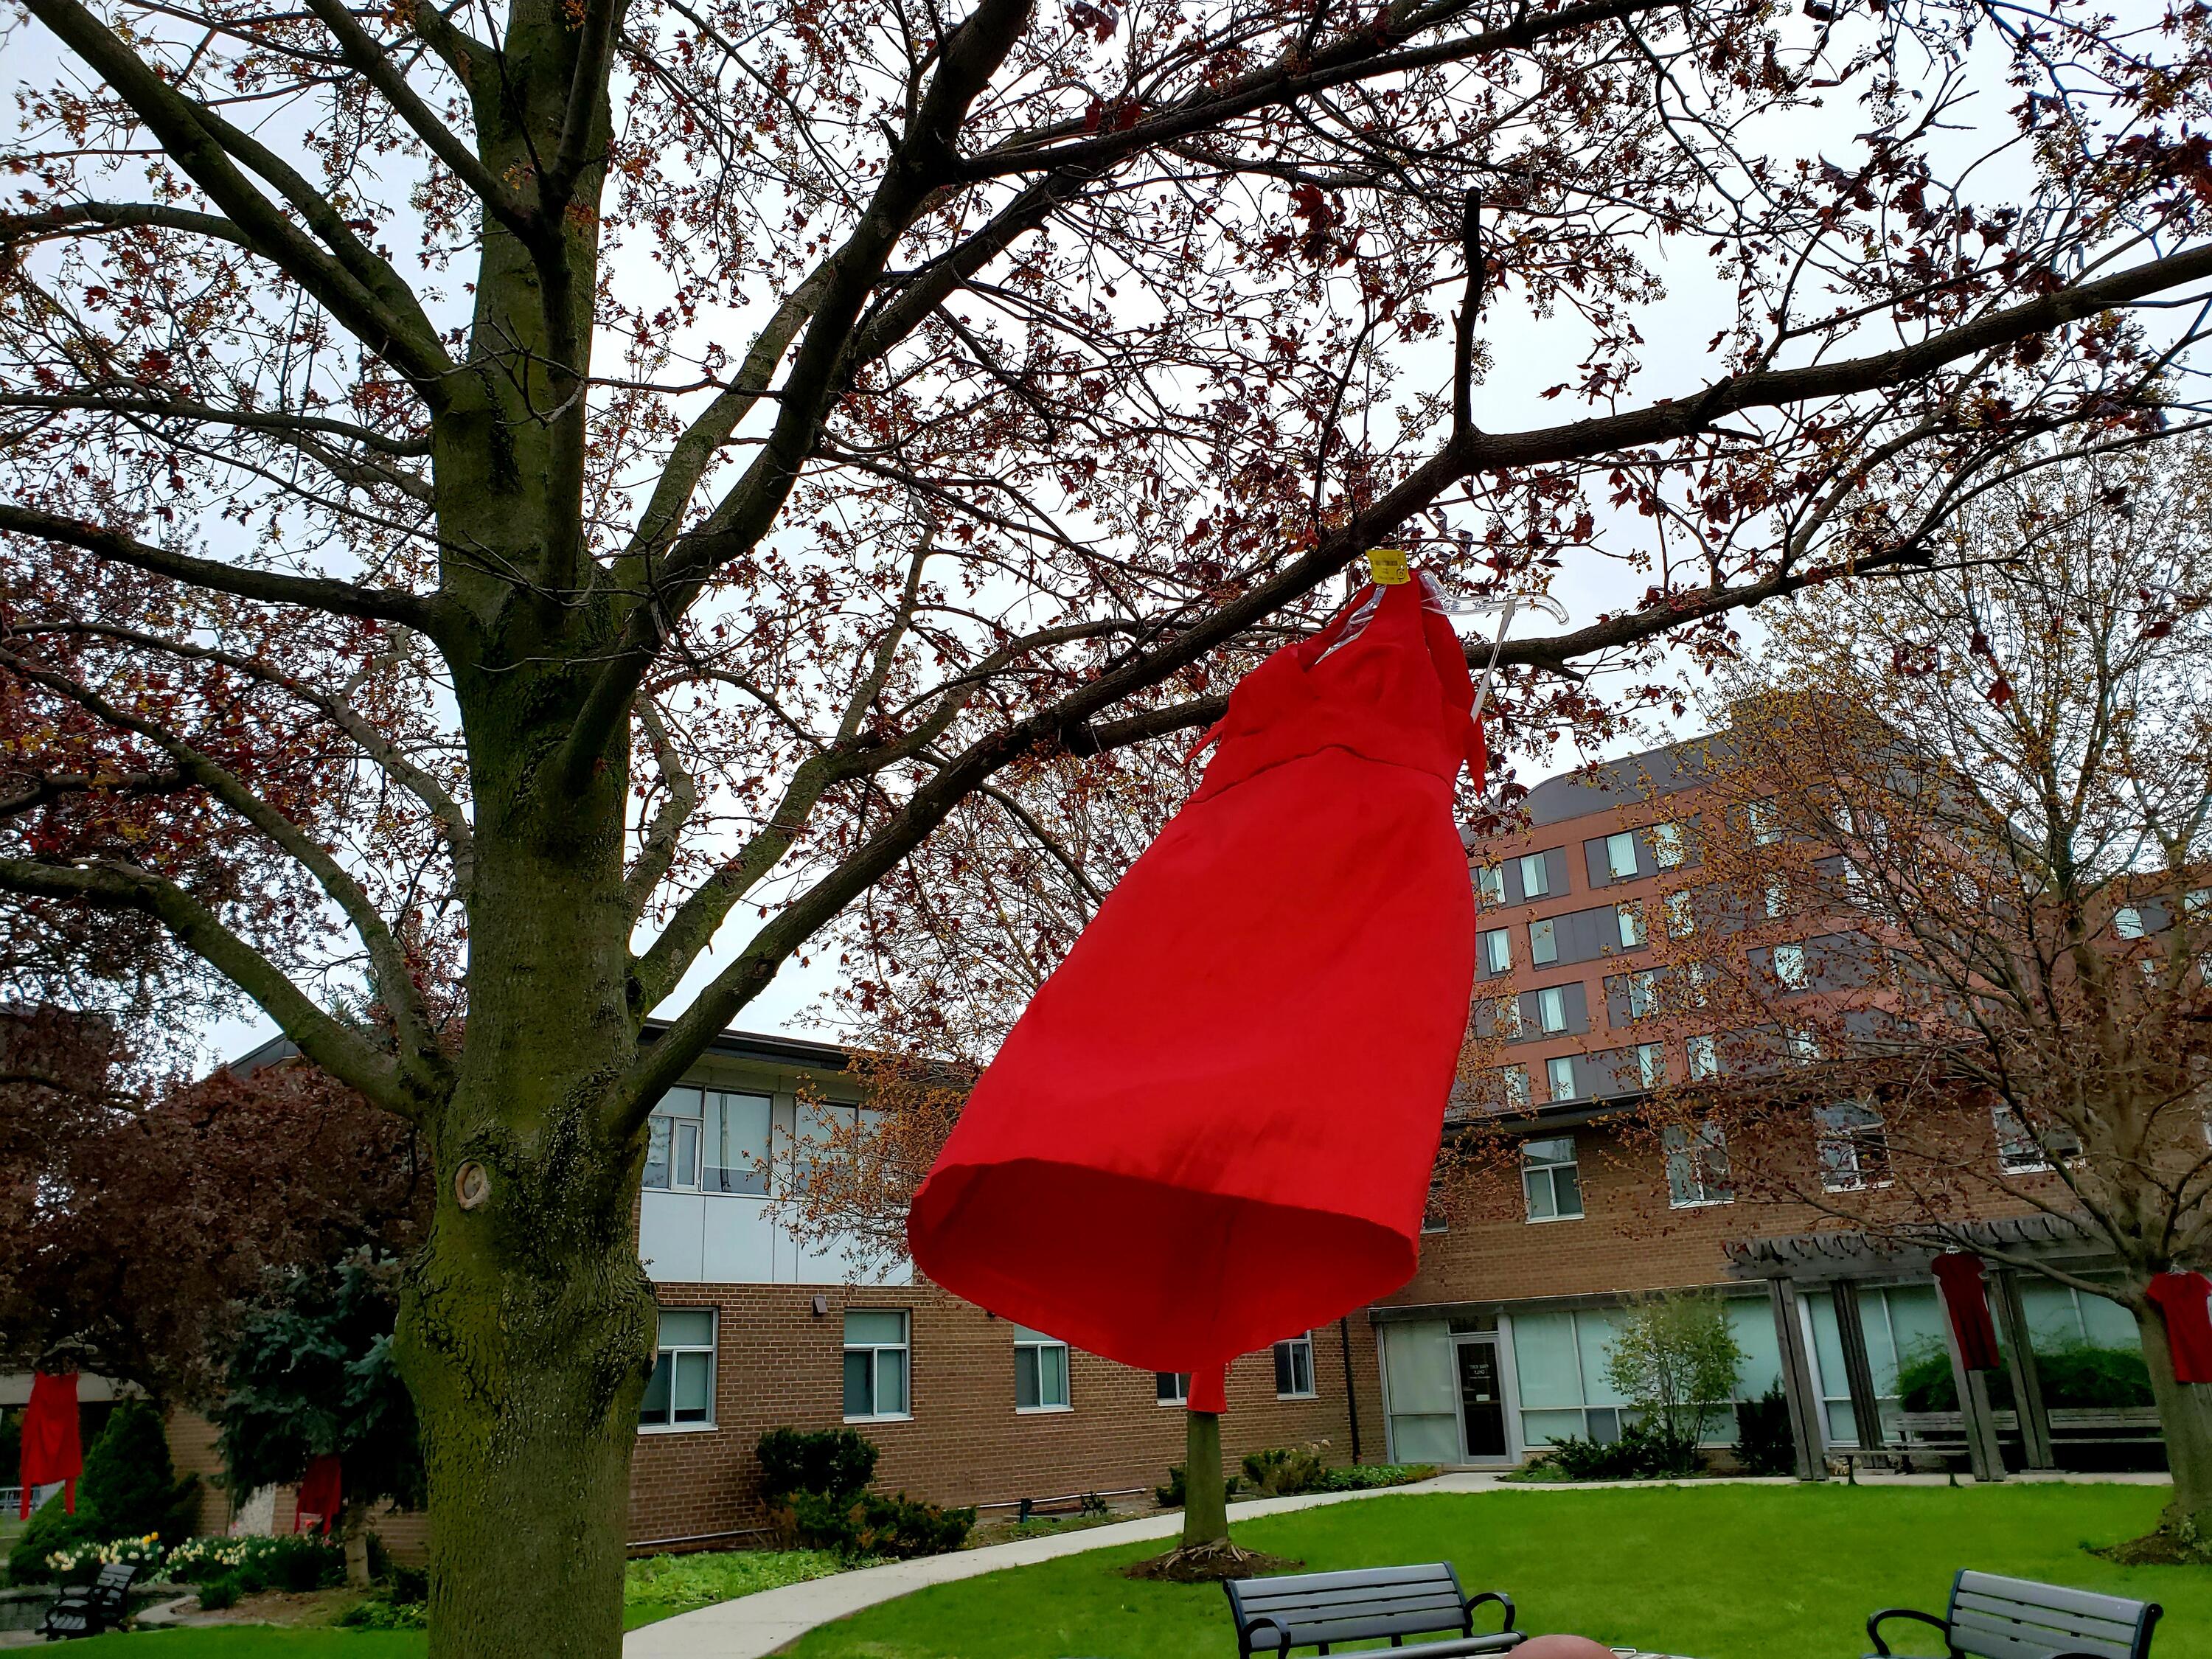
{"x":1481,"y":1397}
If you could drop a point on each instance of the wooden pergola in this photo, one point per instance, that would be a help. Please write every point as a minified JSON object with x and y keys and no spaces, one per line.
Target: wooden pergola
{"x":1840,"y":1262}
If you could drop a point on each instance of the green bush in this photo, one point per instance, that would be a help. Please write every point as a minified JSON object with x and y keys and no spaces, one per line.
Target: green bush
{"x":1171,"y":1496}
{"x":384,"y":1611}
{"x":130,"y":1486}
{"x":52,"y":1529}
{"x":217,"y":1594}
{"x":869,"y":1525}
{"x":1642,"y":1453}
{"x":2076,"y":1376}
{"x":1286,"y":1471}
{"x":259,"y":1562}
{"x":1364,"y":1477}
{"x":1765,"y":1443}
{"x":829,"y":1462}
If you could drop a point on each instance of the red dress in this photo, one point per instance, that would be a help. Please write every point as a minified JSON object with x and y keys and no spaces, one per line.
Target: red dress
{"x":53,"y":1448}
{"x":2181,"y":1298}
{"x":1968,"y":1305}
{"x":1214,"y":1125}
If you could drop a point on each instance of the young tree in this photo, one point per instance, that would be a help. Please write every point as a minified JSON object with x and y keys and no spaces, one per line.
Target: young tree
{"x":503,"y":498}
{"x":1673,"y":1357}
{"x":1954,"y":910}
{"x":312,"y":1376}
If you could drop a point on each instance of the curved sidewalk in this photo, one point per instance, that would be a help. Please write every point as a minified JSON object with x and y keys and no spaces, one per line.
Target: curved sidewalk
{"x":754,"y":1625}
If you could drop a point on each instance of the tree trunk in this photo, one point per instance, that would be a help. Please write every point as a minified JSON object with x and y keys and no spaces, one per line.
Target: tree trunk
{"x":353,"y":1538}
{"x":1205,"y":1494}
{"x":2184,"y":1417}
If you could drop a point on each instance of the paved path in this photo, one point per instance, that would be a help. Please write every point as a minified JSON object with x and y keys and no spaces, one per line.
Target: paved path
{"x":753,"y":1627}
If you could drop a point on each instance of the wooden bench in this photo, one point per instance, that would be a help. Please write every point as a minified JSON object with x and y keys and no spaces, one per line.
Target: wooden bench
{"x":1993,"y":1618}
{"x":93,"y":1607}
{"x":1315,"y":1609}
{"x":1074,"y":1503}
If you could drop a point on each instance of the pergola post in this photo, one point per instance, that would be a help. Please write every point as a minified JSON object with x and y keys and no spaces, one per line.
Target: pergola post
{"x":1858,"y":1375}
{"x":2020,"y":1361}
{"x":1797,"y":1382}
{"x":1983,"y":1454}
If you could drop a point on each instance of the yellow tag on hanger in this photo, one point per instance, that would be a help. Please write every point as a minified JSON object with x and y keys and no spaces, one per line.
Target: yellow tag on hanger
{"x":1387,"y":566}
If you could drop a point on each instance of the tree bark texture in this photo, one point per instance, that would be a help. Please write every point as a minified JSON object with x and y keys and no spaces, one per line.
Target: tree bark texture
{"x":1204,"y":1493}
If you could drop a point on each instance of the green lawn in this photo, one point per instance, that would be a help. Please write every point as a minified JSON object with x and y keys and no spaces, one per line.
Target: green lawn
{"x":1717,"y":1572}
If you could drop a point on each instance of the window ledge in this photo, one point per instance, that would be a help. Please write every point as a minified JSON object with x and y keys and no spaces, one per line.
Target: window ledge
{"x":1311,"y":1395}
{"x":884,"y":1417}
{"x":1041,"y":1411}
{"x":678,"y":1428}
{"x":1697,"y":1203}
{"x":1545,"y":1220}
{"x":1174,"y":1405}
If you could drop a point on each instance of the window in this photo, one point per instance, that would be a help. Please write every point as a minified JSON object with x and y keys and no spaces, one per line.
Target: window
{"x":1682,"y":919}
{"x":1497,"y":945}
{"x":1801,"y":1044}
{"x":1643,"y":992}
{"x":1629,"y":919}
{"x":1040,"y":1372}
{"x":1559,"y":1074}
{"x":2128,"y":922}
{"x":1777,"y":897}
{"x":1515,"y":1081}
{"x":1853,"y":1145}
{"x":1294,"y":1376}
{"x":1435,"y":1217}
{"x":1704,"y":1057}
{"x":876,"y":1366}
{"x":1620,"y":856}
{"x":1697,"y":1166}
{"x":2021,"y":1151}
{"x":1552,"y":1009}
{"x":1535,"y":877}
{"x":1506,"y":1017}
{"x":1789,"y":966}
{"x":1696,"y":976}
{"x":1765,"y":824}
{"x":1667,"y":849}
{"x":2197,"y":901}
{"x":1651,"y":1063}
{"x":1551,"y":1181}
{"x":1172,"y":1387}
{"x":1489,"y":882}
{"x":680,"y":1393}
{"x":1543,"y":943}
{"x":672,"y":1146}
{"x":734,"y":1141}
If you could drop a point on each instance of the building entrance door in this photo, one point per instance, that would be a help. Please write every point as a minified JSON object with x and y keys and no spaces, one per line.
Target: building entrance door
{"x":1481,"y":1397}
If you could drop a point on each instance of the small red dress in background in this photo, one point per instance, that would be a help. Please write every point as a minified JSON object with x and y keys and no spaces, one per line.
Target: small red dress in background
{"x":321,"y":1495}
{"x":2181,"y":1302}
{"x":1214,"y":1127}
{"x":53,"y":1443}
{"x":1968,"y":1305}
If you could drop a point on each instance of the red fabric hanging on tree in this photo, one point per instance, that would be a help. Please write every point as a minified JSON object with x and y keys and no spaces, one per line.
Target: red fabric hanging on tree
{"x":2181,"y":1302}
{"x":1968,"y":1306}
{"x":320,"y":1495}
{"x":1214,"y":1125}
{"x":53,"y":1446}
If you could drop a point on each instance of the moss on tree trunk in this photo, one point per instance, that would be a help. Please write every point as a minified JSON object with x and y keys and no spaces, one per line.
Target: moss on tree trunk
{"x":2185,"y":1422}
{"x":1204,"y":1493}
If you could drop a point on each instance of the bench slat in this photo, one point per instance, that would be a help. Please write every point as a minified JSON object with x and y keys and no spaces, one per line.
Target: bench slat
{"x":1361,"y":1605}
{"x":1990,"y":1608}
{"x":1434,"y":1573}
{"x":2053,"y":1598}
{"x":2005,"y":1638}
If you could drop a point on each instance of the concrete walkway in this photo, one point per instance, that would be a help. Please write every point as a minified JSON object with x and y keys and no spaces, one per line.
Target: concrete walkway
{"x":753,"y":1627}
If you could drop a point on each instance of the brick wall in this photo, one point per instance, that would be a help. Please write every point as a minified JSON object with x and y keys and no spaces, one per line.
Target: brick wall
{"x":781,"y":1364}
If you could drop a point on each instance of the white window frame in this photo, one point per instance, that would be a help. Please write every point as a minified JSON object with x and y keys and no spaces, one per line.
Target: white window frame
{"x":1514,"y":1080}
{"x":1034,"y":1343}
{"x":1178,"y":1381}
{"x":1490,"y":884}
{"x":1551,"y":1010}
{"x":673,"y":1352}
{"x":1705,"y":1058}
{"x":1497,"y":950}
{"x":671,"y":1137}
{"x":1681,"y":919}
{"x":1789,"y":970}
{"x":1628,"y":921}
{"x":1703,"y":1166}
{"x":904,"y":1348}
{"x":1543,"y":942}
{"x":2019,"y":1151}
{"x":2128,"y":922}
{"x":1766,"y":828}
{"x":1776,"y":897}
{"x":1619,"y":845}
{"x":1542,"y":886}
{"x":1651,"y":1063}
{"x":1287,"y":1353}
{"x":1552,"y":1077}
{"x":1539,"y":1167}
{"x":1670,"y":847}
{"x":1802,"y":1044}
{"x":1841,"y":1148}
{"x":1641,"y":991}
{"x":1505,"y":1017}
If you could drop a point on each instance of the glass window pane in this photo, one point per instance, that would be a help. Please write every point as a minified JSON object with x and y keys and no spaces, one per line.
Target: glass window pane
{"x":1631,"y":922}
{"x":1561,"y":1072}
{"x":1567,"y":1191}
{"x":679,"y":1103}
{"x":1027,"y":1394}
{"x":687,"y":1327}
{"x":653,"y":1408}
{"x":1667,"y":845}
{"x":693,"y":1392}
{"x":1417,"y":1365}
{"x":683,"y":1171}
{"x":859,"y":1382}
{"x":1030,"y":1333}
{"x":1620,"y":855}
{"x":1497,"y":950}
{"x":1544,"y":1361}
{"x":1172,"y":1387}
{"x":1535,"y":879}
{"x":736,"y":1129}
{"x":1543,"y":942}
{"x":1052,"y":1374}
{"x":891,"y":1381}
{"x":1540,"y":1428}
{"x":656,"y":1154}
{"x":867,"y":1327}
{"x":1425,"y":1439}
{"x":1538,"y":1185}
